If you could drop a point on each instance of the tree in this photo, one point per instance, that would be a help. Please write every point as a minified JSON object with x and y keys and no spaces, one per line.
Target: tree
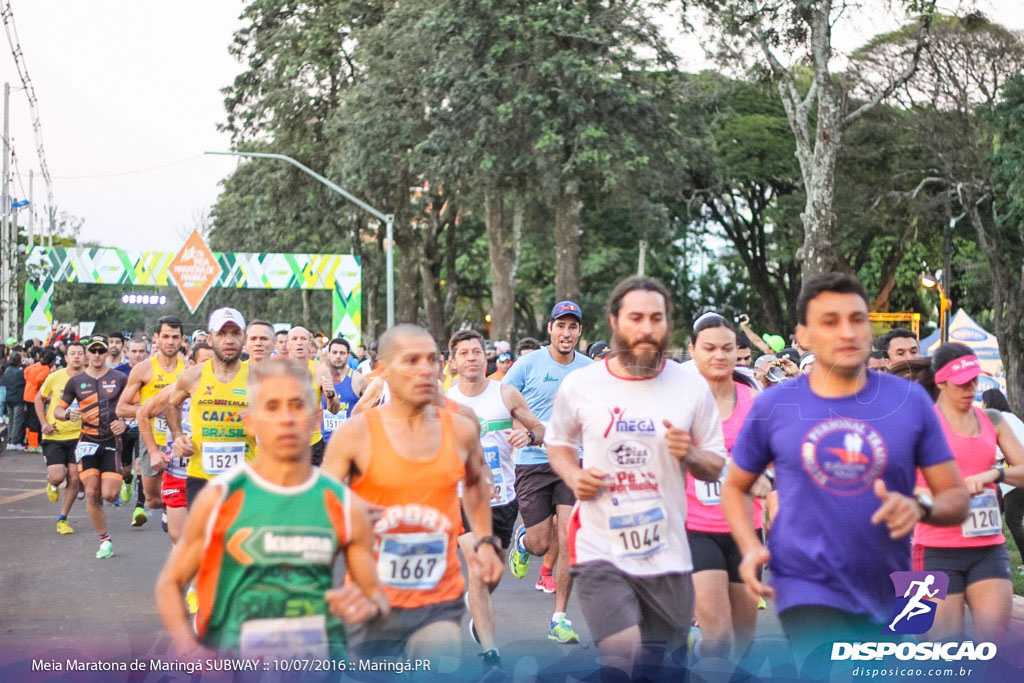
{"x":819,"y":114}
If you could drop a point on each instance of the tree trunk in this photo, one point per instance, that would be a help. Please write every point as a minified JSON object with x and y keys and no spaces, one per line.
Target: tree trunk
{"x":371,"y":261}
{"x":407,"y":285}
{"x":818,"y":253}
{"x":567,"y":241}
{"x":305,"y":309}
{"x":430,"y":278}
{"x":503,"y":250}
{"x":451,"y":291}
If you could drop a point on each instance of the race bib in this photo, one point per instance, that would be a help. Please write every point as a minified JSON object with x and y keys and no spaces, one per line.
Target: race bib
{"x":412,"y":561}
{"x":710,"y":492}
{"x":333,"y":422}
{"x":501,"y":487}
{"x":84,"y":449}
{"x":285,"y":638}
{"x":638,"y":534}
{"x":223,"y":455}
{"x":159,"y":425}
{"x":984,"y":518}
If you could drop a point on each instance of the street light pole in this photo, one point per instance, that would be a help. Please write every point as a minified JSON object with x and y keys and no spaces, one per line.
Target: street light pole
{"x":388,"y":218}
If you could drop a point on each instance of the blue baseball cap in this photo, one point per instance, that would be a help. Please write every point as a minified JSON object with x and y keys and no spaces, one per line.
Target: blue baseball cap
{"x":566,"y":308}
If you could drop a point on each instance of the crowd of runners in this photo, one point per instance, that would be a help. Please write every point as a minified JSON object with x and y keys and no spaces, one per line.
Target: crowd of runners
{"x":674,"y":498}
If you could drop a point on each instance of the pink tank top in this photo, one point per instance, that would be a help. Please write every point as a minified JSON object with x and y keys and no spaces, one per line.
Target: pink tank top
{"x":703,"y":498}
{"x":974,"y":455}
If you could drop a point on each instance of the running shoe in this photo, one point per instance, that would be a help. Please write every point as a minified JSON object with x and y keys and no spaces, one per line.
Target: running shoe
{"x":519,"y":560}
{"x":761,"y":604}
{"x":81,"y":494}
{"x":693,"y":639}
{"x":63,"y":527}
{"x":163,"y":521}
{"x":492,"y":665}
{"x":106,"y":550}
{"x":126,"y":491}
{"x":52,"y":493}
{"x":139,"y":517}
{"x":192,"y":600}
{"x":117,"y":502}
{"x":561,"y":632}
{"x":472,"y":632}
{"x":545,"y":583}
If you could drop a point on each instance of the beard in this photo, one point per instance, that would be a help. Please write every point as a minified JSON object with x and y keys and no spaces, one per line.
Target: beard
{"x":639,"y":362}
{"x":224,"y":357}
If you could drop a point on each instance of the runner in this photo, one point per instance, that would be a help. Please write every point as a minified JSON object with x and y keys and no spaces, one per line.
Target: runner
{"x":60,"y":437}
{"x":845,"y":443}
{"x":173,"y":469}
{"x":137,"y":353}
{"x":505,"y":423}
{"x":348,"y":385}
{"x":417,"y":486}
{"x":726,"y":611}
{"x":217,"y":389}
{"x":98,"y":453}
{"x":259,"y":340}
{"x":281,"y":344}
{"x":545,"y":501}
{"x":644,"y":422}
{"x":145,"y":381}
{"x":973,"y":555}
{"x":115,"y":357}
{"x":300,"y":348}
{"x":262,"y":540}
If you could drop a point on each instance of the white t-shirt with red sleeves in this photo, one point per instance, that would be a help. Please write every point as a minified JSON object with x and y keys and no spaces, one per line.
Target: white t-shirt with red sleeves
{"x":639,"y":523}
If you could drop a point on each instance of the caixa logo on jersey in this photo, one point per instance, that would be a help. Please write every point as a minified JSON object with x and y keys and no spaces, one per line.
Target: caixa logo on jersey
{"x":619,"y":423}
{"x":913,"y":613}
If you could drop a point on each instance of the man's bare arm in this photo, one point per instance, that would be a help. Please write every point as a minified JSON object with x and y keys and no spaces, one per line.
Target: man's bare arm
{"x":128,"y":404}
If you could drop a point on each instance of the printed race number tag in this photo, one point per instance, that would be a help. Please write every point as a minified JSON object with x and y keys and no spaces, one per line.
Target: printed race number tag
{"x":412,"y":561}
{"x":501,"y":488}
{"x":159,"y":425}
{"x":285,"y":638}
{"x":333,"y":422}
{"x":710,"y":492}
{"x":639,"y":534}
{"x":984,"y":519}
{"x":221,"y":456}
{"x":84,"y":449}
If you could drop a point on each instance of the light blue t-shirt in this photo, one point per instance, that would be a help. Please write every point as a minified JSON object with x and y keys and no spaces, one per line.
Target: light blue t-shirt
{"x":537,"y":376}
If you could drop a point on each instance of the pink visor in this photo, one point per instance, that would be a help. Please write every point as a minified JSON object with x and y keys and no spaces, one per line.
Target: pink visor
{"x":960,"y":371}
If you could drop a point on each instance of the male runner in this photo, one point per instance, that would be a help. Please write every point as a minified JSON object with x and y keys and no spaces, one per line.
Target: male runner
{"x":300,"y":348}
{"x":644,"y":423}
{"x":408,"y":457}
{"x":115,"y":357}
{"x":281,"y":344}
{"x":846,"y":444}
{"x":505,"y":423}
{"x":262,"y":540}
{"x":348,"y":385}
{"x":259,"y":340}
{"x":145,"y":382}
{"x":217,"y":389}
{"x":98,"y":452}
{"x":137,"y":353}
{"x":545,"y":501}
{"x":899,"y":344}
{"x":60,"y":437}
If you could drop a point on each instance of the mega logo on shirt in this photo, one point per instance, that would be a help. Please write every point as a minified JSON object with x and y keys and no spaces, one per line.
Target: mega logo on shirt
{"x":843,"y":456}
{"x":643,"y":426}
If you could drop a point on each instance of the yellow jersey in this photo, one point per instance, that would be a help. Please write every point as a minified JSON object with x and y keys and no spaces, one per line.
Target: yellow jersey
{"x":160,"y":379}
{"x":218,"y":435}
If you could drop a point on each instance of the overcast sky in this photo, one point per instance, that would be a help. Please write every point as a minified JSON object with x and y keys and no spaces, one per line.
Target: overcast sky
{"x":129,"y":94}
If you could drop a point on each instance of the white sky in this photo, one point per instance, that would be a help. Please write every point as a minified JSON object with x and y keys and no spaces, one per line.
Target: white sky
{"x":129,"y":93}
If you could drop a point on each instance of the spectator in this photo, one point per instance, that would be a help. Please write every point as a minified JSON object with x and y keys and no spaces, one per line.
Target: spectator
{"x":743,"y":357}
{"x":525,"y":346}
{"x":899,"y":344}
{"x":504,"y":362}
{"x":876,"y":361}
{"x":14,"y":403}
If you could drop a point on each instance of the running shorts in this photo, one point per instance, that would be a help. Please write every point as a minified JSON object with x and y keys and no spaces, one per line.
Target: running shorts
{"x":317,"y":451}
{"x":146,"y":463}
{"x":59,"y":452}
{"x":102,"y":456}
{"x":503,"y":522}
{"x":193,"y":485}
{"x":964,"y":566}
{"x":173,"y":491}
{"x":715,"y":551}
{"x":388,"y":637}
{"x":539,"y":490}
{"x":612,"y":600}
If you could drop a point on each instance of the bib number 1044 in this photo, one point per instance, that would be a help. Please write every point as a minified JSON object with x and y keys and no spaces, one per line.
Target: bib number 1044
{"x":639,"y":534}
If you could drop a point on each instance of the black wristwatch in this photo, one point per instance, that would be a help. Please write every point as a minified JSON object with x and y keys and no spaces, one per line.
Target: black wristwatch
{"x":925,"y":501}
{"x":492,"y":539}
{"x":1002,"y":474}
{"x":533,"y":437}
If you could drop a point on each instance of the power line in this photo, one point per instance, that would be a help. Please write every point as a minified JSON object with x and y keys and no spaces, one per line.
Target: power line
{"x":33,"y":102}
{"x":132,"y":172}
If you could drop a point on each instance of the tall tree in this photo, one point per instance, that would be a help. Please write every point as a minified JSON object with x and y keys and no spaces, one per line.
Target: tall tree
{"x":818,"y":114}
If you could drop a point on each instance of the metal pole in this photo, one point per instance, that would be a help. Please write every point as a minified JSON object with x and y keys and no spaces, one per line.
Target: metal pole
{"x":31,"y":211}
{"x":642,"y":260}
{"x":7,"y":253}
{"x":388,"y":218}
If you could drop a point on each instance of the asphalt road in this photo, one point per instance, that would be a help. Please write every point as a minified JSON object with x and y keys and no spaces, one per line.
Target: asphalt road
{"x":57,"y":599}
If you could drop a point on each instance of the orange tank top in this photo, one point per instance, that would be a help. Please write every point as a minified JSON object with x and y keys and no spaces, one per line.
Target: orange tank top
{"x":415,"y":541}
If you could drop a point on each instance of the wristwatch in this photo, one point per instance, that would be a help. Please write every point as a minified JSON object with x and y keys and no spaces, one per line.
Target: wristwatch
{"x":492,"y":539}
{"x":925,"y":501}
{"x":533,"y":437}
{"x":1002,"y":474}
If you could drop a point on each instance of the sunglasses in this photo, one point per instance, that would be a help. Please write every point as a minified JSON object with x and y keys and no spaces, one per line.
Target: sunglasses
{"x":97,"y":351}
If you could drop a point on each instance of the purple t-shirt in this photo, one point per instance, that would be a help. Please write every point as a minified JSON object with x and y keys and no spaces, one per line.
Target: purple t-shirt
{"x":827,"y":453}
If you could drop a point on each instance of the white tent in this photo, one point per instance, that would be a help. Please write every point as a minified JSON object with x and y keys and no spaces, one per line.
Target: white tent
{"x":964,"y":330}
